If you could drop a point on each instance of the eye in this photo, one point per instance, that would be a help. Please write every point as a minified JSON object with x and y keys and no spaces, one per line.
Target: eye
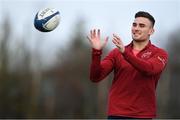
{"x":141,"y":25}
{"x":134,"y":24}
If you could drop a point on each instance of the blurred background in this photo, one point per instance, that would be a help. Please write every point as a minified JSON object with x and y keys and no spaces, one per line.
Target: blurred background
{"x":46,"y":75}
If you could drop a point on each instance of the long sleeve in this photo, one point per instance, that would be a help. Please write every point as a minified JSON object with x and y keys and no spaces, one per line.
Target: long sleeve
{"x":152,"y":66}
{"x":100,"y":69}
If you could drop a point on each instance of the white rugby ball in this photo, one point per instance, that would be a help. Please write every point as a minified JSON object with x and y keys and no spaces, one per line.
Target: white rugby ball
{"x":47,"y":19}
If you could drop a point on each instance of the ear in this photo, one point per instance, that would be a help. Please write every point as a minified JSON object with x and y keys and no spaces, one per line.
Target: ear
{"x":151,"y":31}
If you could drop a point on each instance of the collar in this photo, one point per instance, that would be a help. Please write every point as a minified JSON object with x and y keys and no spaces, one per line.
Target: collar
{"x":146,"y":47}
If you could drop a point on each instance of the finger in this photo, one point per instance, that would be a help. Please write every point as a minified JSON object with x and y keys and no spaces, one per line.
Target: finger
{"x":98,"y":34}
{"x":91,"y":33}
{"x":106,"y":39}
{"x":116,"y":44}
{"x":116,"y":41}
{"x":94,"y":33}
{"x":90,"y":40}
{"x":116,"y":36}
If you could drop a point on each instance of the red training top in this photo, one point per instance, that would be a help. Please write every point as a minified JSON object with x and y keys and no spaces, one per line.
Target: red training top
{"x":132,"y":93}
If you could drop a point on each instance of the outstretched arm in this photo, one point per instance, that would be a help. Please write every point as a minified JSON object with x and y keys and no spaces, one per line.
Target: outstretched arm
{"x":98,"y":69}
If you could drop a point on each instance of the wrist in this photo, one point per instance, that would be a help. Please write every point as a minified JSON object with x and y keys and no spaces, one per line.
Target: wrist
{"x":96,"y":51}
{"x":122,"y":50}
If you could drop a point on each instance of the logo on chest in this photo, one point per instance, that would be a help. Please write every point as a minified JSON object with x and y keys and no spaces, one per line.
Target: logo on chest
{"x":146,"y":55}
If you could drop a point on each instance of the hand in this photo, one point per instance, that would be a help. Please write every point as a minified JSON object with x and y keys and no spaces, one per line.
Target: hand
{"x":95,"y":40}
{"x":118,"y":42}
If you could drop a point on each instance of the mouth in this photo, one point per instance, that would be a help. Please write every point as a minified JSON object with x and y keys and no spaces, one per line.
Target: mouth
{"x":136,"y":34}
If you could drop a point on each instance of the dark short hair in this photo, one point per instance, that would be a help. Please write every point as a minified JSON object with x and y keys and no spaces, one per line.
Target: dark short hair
{"x":146,"y":15}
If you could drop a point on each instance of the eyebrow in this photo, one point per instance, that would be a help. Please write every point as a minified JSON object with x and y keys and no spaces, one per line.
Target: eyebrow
{"x":138,"y":23}
{"x":142,"y":24}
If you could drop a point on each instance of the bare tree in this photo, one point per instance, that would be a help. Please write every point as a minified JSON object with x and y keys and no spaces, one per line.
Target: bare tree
{"x":174,"y":69}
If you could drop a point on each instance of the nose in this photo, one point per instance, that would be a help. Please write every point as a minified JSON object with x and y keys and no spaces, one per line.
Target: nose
{"x":136,"y":27}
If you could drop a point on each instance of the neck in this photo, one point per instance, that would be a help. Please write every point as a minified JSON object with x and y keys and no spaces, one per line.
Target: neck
{"x":137,"y":45}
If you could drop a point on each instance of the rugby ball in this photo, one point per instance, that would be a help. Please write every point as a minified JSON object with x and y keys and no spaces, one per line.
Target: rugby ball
{"x":47,"y":19}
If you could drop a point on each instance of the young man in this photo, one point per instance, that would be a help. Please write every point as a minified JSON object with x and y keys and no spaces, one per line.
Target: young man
{"x":137,"y":68}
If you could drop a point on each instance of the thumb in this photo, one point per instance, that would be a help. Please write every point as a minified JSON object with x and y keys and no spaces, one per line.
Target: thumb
{"x":105,"y":41}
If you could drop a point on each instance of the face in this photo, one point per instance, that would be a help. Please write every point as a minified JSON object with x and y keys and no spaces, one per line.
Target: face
{"x":141,"y":29}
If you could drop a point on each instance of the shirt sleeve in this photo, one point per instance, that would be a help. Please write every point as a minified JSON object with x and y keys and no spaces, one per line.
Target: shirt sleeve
{"x":152,"y":66}
{"x":100,"y":69}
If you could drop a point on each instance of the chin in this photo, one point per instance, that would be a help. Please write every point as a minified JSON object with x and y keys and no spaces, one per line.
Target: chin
{"x":139,"y":40}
